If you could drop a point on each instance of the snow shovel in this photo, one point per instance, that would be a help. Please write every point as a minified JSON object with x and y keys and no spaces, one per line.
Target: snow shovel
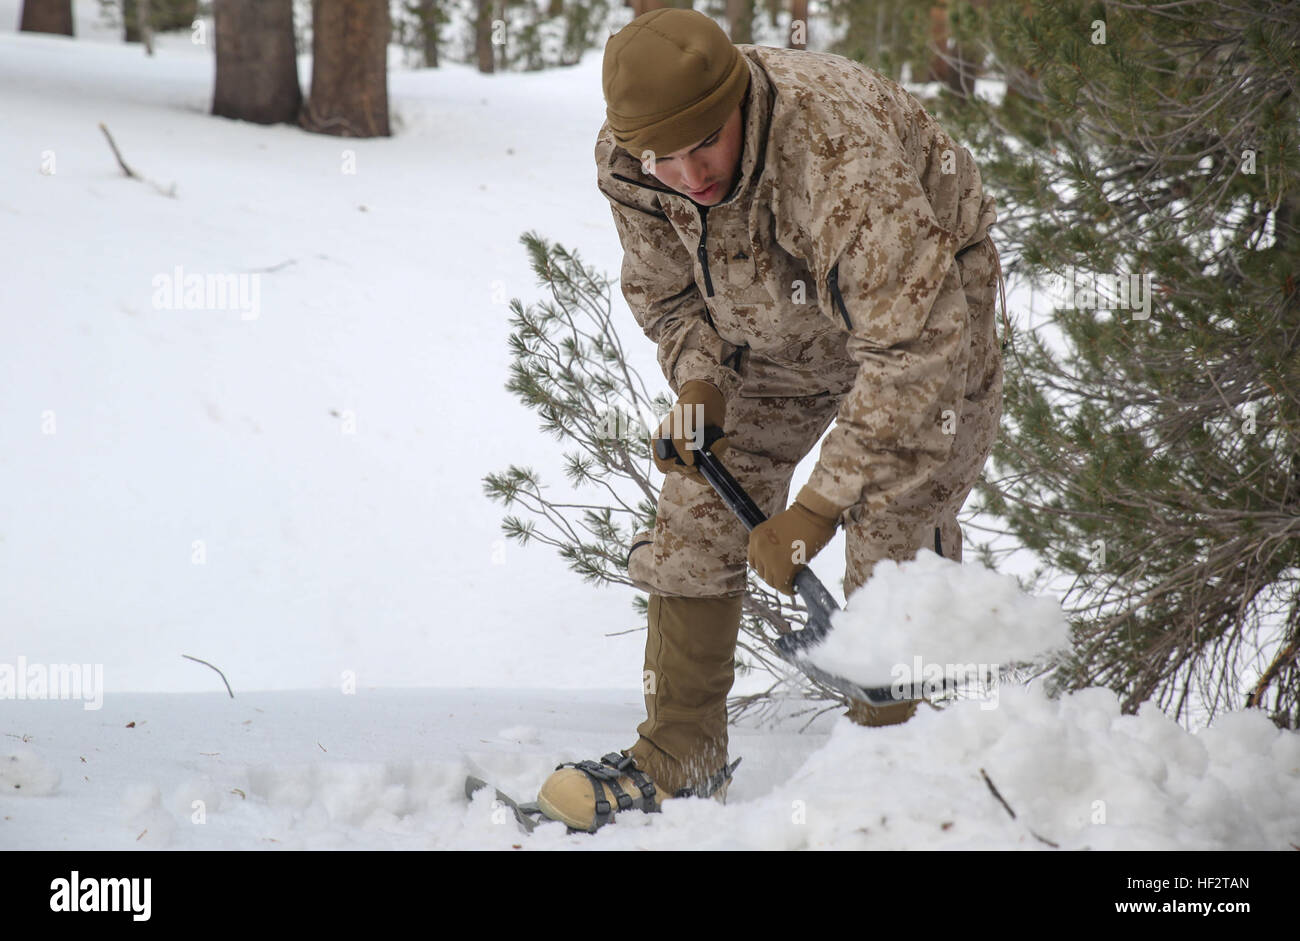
{"x":819,"y":602}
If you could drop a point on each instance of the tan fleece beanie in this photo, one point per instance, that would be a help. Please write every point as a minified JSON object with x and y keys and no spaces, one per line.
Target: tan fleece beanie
{"x":671,"y":78}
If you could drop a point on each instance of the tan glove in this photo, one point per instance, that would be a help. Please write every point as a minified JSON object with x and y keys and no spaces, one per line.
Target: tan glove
{"x":785,"y":543}
{"x":687,"y":432}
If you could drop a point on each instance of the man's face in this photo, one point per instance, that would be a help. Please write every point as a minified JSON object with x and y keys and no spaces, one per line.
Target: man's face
{"x":707,"y":169}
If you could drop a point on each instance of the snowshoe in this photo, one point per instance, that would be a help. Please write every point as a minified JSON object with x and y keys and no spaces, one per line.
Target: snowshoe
{"x":585,"y":795}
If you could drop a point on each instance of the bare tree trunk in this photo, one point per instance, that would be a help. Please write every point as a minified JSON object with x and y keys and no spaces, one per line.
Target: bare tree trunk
{"x":949,"y":63}
{"x":740,"y":19}
{"x":940,"y":68}
{"x":142,"y":24}
{"x":893,"y":44}
{"x":257,"y":64}
{"x":349,"y":70}
{"x":798,"y":38}
{"x":483,"y":36}
{"x":645,"y":6}
{"x":130,"y":21}
{"x":556,"y":8}
{"x":880,"y":26}
{"x":968,"y":60}
{"x":429,"y":32}
{"x":47,"y":16}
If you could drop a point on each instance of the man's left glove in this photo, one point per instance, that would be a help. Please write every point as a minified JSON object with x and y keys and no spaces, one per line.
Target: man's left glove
{"x":784,"y":544}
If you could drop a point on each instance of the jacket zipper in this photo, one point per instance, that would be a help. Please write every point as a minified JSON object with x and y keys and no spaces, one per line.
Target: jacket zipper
{"x":701,"y":251}
{"x":833,"y":282}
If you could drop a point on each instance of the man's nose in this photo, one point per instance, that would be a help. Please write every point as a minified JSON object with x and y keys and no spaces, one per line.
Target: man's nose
{"x":693,"y":174}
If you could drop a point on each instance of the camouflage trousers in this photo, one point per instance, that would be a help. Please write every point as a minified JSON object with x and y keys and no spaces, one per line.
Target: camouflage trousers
{"x":699,"y":548}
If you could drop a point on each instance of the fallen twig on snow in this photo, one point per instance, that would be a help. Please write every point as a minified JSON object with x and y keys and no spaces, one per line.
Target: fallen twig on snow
{"x":1001,"y":799}
{"x":274,"y":268}
{"x":1003,"y":802}
{"x":169,"y":191}
{"x":223,"y":676}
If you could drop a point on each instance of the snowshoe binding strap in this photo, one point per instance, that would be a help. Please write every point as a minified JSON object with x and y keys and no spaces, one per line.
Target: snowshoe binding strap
{"x":610,"y":768}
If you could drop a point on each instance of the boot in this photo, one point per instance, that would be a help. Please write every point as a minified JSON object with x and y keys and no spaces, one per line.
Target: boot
{"x":895,"y":713}
{"x":689,"y":669}
{"x":682,"y":748}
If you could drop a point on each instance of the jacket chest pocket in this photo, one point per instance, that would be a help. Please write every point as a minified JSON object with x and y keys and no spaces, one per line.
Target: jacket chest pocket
{"x":748,"y":292}
{"x":742,"y":273}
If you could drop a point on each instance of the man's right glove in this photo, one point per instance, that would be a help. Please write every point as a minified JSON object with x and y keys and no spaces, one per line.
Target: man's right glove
{"x":687,"y":432}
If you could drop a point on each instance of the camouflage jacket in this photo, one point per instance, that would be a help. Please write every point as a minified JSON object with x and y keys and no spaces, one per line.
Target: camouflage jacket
{"x":819,"y":272}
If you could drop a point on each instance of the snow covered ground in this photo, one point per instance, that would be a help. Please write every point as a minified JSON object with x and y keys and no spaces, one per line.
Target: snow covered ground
{"x":291,"y":489}
{"x":384,"y":769}
{"x":322,"y":459}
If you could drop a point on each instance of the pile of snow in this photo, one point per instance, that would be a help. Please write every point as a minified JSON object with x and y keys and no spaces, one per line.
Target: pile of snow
{"x":913,"y":620}
{"x":1077,"y":774}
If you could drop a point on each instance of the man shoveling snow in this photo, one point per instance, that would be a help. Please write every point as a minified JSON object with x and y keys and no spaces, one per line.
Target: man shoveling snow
{"x":806,"y":245}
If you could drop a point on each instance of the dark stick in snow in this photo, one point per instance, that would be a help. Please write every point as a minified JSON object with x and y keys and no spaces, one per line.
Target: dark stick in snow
{"x":274,"y":268}
{"x":227,"y":682}
{"x":169,"y":191}
{"x":117,"y":153}
{"x":1003,"y":802}
{"x":1001,"y":799}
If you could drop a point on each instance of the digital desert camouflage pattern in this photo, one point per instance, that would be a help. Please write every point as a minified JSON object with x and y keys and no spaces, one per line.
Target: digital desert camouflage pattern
{"x":825,"y":289}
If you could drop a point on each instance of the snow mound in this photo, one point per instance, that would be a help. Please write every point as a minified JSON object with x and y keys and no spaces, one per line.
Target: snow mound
{"x":1077,"y":773}
{"x":940,"y":613}
{"x":23,"y":773}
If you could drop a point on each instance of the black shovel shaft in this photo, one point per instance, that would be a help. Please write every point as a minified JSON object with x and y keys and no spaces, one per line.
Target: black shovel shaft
{"x":820,"y":603}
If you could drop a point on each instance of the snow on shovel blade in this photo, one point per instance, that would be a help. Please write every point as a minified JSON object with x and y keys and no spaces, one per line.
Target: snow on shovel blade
{"x":821,"y":606}
{"x":819,"y":602}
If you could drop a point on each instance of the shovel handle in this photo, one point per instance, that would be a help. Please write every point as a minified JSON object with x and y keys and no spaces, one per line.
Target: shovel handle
{"x":819,"y":602}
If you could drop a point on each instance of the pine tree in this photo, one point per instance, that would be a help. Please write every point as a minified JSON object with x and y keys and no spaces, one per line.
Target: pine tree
{"x":1145,"y":160}
{"x":349,"y":69}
